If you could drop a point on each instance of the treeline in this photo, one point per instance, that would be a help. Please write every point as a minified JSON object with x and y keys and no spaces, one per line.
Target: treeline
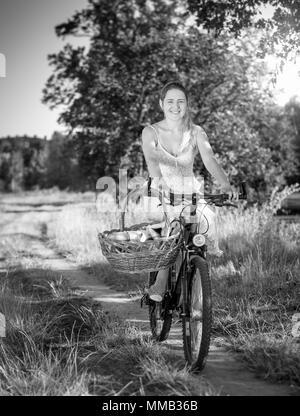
{"x":28,"y":163}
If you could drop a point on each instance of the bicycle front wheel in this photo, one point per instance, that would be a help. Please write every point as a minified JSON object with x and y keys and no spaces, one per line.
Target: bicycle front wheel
{"x":197,"y":316}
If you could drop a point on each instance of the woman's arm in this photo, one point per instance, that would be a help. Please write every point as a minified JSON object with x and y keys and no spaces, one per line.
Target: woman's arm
{"x":148,"y":146}
{"x":211,"y":163}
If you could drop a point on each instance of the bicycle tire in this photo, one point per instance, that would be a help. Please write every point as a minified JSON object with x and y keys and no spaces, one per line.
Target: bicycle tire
{"x":160,"y":316}
{"x":196,"y":323}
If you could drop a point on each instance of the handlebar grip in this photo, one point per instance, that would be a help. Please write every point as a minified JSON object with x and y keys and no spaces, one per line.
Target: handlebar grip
{"x":243,"y":191}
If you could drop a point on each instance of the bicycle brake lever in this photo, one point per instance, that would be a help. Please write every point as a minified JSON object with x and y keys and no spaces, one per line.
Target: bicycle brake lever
{"x":230,"y":204}
{"x":243,"y":190}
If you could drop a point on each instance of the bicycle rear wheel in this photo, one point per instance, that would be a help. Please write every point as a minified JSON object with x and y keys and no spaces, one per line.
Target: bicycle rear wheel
{"x":160,"y":315}
{"x":197,"y":316}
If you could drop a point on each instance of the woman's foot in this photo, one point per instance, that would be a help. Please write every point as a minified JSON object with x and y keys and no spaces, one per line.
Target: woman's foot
{"x":155,"y":293}
{"x":215,"y":252}
{"x":213,"y":248}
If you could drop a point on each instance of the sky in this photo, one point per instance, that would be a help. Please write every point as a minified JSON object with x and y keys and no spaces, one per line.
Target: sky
{"x":27,"y":36}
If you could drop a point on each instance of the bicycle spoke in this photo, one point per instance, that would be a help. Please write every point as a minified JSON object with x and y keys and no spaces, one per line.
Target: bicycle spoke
{"x":196,"y":314}
{"x":196,"y":334}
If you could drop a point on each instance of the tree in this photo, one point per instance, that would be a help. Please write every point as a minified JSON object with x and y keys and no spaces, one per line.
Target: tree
{"x":110,"y":92}
{"x":61,"y":164}
{"x":292,"y":111}
{"x":22,"y":162}
{"x":282,"y":28}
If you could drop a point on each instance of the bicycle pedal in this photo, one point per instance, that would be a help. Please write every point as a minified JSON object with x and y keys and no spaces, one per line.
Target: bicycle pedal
{"x":145,"y":300}
{"x":176,"y":316}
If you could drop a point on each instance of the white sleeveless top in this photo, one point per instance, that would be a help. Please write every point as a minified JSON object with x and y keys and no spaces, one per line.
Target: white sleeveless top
{"x":177,"y":171}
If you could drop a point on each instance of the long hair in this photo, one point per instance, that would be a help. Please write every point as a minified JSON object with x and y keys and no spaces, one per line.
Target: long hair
{"x":176,"y":85}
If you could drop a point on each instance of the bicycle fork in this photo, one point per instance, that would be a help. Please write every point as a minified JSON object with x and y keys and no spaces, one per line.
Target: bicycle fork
{"x":184,"y":291}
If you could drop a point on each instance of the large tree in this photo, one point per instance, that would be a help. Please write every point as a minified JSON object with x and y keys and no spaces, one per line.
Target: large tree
{"x":107,"y":90}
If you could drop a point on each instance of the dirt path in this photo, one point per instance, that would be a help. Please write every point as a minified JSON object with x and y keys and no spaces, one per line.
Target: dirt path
{"x":223,"y":370}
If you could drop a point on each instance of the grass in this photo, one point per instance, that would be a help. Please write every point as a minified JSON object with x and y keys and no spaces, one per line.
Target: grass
{"x":46,"y":196}
{"x":75,"y":234}
{"x":257,"y":292}
{"x":59,"y":343}
{"x":260,"y":270}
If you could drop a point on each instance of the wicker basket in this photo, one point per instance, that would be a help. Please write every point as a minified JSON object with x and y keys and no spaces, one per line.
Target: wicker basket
{"x":136,"y":256}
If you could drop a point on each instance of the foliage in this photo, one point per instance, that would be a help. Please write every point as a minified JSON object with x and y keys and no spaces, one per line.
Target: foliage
{"x":31,"y":162}
{"x":22,"y":160}
{"x":292,"y":110}
{"x":279,"y":18}
{"x":61,"y":165}
{"x":110,"y":89}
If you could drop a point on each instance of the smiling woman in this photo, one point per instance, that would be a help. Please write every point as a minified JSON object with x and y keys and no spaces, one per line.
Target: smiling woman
{"x":170,"y":147}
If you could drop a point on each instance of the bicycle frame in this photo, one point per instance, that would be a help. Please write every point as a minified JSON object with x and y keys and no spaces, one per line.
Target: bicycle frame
{"x":179,"y":284}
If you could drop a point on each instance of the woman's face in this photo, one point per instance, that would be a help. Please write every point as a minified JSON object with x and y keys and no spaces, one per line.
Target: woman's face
{"x":174,"y":104}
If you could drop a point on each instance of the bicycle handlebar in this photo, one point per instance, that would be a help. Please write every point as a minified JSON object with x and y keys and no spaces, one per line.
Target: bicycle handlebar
{"x":224,"y":197}
{"x":216,"y":199}
{"x":220,"y":199}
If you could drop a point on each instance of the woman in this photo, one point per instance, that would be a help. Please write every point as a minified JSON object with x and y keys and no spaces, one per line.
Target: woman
{"x":170,"y":147}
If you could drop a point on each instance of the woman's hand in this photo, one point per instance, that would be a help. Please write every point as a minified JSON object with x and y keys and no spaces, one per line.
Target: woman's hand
{"x":231,"y":191}
{"x":140,"y":190}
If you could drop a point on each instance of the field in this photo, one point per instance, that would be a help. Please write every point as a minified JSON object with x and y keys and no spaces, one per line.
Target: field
{"x":72,"y":347}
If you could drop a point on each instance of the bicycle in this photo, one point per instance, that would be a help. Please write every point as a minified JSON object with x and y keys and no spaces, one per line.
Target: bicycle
{"x":189,"y":291}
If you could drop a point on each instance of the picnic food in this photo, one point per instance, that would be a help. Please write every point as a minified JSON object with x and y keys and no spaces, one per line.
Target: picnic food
{"x":119,"y":235}
{"x":147,"y":232}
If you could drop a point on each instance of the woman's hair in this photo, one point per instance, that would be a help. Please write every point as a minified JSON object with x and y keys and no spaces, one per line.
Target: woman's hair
{"x":176,"y":85}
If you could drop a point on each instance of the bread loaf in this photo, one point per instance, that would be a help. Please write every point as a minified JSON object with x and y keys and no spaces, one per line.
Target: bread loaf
{"x":120,"y":236}
{"x":145,"y":236}
{"x":153,"y":233}
{"x":135,"y":235}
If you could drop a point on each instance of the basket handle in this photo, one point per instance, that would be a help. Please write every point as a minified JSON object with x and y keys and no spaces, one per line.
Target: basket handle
{"x":130,"y":194}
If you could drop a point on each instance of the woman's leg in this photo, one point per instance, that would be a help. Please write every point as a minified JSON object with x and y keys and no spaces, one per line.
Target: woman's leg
{"x":152,"y":209}
{"x":157,"y":290}
{"x":208,"y":224}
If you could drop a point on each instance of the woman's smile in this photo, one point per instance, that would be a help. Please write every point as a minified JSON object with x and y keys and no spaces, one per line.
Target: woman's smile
{"x":175,"y":103}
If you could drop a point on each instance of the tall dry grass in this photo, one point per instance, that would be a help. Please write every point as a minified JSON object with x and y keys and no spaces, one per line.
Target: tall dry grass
{"x":257,"y":289}
{"x":260,"y":268}
{"x":61,"y":344}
